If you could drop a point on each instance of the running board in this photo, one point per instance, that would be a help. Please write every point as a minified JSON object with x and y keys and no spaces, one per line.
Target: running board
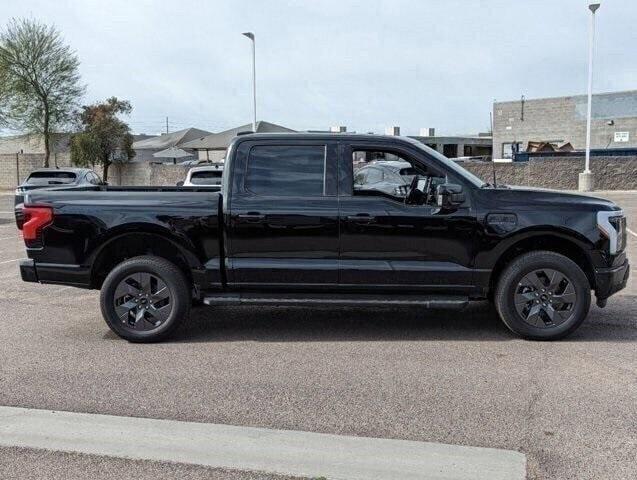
{"x":301,"y":299}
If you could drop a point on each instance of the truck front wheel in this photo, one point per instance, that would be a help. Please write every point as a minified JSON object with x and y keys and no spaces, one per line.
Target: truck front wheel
{"x":543,"y":296}
{"x":145,"y":299}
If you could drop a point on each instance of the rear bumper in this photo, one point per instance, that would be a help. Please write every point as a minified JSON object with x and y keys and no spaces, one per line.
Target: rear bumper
{"x":72,"y":275}
{"x":27,"y":271}
{"x":609,"y":281}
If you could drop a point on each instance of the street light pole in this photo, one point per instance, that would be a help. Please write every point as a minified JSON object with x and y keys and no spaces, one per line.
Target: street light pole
{"x":250,"y":35}
{"x":586,"y":177}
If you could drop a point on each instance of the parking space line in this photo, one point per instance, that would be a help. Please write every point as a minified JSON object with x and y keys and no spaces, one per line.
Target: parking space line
{"x":14,"y":260}
{"x":16,"y":237}
{"x":62,"y":289}
{"x":285,"y":452}
{"x":631,"y":232}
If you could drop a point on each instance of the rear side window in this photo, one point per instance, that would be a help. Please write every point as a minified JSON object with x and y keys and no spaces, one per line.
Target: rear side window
{"x":206,"y":178}
{"x":50,"y":178}
{"x":286,"y":170}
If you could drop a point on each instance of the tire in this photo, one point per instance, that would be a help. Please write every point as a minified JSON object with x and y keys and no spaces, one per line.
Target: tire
{"x":543,"y":296}
{"x":145,"y":299}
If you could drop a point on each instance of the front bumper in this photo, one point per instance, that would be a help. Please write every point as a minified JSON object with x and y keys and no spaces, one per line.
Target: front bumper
{"x":609,"y":281}
{"x":72,"y":275}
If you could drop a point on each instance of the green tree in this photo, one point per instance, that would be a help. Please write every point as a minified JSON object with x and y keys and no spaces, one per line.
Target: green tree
{"x":39,"y":80}
{"x":104,"y":138}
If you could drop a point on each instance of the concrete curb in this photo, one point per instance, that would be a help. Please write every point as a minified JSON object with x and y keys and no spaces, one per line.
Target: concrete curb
{"x":257,"y":449}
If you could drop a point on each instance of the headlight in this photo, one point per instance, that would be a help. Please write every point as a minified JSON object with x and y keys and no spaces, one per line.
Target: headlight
{"x":613,"y":226}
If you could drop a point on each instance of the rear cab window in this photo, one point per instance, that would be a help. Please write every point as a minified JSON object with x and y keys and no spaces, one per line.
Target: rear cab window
{"x":287,"y":171}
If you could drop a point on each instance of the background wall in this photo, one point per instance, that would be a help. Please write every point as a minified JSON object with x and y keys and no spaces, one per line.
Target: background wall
{"x":611,"y":172}
{"x":14,"y":167}
{"x":146,"y":174}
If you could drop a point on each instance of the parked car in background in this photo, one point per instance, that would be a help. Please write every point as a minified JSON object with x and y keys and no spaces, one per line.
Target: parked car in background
{"x":203,"y":176}
{"x":54,"y":177}
{"x":390,"y":176}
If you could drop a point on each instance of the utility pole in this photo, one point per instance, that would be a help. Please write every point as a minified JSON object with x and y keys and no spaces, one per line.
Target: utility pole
{"x":166,"y":125}
{"x":586,"y":177}
{"x":250,"y":35}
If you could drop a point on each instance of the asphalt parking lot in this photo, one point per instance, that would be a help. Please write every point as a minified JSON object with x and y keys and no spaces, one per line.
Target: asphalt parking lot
{"x":570,"y":406}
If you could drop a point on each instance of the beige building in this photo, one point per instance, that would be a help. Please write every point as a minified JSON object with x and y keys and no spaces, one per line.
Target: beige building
{"x":213,"y":147}
{"x":562,"y":120}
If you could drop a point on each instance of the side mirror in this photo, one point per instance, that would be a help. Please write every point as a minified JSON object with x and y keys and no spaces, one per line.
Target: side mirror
{"x":449,"y":195}
{"x":180,"y":183}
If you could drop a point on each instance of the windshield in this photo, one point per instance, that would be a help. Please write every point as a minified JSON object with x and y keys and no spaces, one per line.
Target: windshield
{"x":50,"y":178}
{"x":463,"y":172}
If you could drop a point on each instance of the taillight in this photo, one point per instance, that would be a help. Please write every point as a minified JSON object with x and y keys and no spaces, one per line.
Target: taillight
{"x":35,"y":220}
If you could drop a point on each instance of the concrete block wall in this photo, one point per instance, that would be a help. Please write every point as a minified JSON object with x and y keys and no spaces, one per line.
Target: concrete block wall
{"x":13,"y":173}
{"x":167,"y":174}
{"x":560,"y":173}
{"x":611,"y":172}
{"x":143,"y":173}
{"x":129,"y":174}
{"x":506,"y":173}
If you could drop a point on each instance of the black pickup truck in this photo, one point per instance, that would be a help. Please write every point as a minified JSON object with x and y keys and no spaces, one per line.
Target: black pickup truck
{"x":288,"y":228}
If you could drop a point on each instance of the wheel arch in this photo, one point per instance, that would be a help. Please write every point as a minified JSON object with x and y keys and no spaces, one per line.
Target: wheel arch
{"x":558,"y":242}
{"x":128,"y":243}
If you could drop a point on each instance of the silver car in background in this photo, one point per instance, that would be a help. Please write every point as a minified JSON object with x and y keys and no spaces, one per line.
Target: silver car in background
{"x":392,"y":177}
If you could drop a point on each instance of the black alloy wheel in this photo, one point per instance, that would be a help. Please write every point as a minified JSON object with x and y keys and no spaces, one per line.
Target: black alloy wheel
{"x":542,"y":295}
{"x":145,"y":299}
{"x":545,"y":298}
{"x":142,"y":301}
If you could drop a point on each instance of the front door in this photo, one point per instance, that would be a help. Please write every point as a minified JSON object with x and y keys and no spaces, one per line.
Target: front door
{"x":283,"y":226}
{"x":388,"y":243}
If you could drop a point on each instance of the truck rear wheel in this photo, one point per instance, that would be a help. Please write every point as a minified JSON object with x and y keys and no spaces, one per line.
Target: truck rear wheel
{"x":145,"y":299}
{"x":543,"y":296}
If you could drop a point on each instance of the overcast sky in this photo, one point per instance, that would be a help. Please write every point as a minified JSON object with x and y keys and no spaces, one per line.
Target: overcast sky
{"x":364,"y":64}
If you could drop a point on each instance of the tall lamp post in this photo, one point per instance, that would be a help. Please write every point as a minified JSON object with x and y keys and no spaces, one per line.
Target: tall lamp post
{"x":586,"y":183}
{"x":250,"y":35}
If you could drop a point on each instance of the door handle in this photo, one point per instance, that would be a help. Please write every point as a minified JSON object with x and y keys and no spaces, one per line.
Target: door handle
{"x":361,"y":218}
{"x":251,"y":217}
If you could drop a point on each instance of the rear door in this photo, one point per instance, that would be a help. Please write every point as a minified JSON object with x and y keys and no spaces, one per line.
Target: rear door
{"x":282,"y":230}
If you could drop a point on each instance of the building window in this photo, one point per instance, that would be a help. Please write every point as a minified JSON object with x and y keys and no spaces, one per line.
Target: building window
{"x":508,"y":149}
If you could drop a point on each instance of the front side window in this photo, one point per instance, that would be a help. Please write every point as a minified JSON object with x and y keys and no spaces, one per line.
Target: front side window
{"x":274,"y":170}
{"x":374,"y":175}
{"x":393,"y":176}
{"x":360,"y":177}
{"x":92,"y":178}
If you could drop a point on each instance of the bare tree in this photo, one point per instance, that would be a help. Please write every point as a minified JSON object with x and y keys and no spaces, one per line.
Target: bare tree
{"x":39,"y":79}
